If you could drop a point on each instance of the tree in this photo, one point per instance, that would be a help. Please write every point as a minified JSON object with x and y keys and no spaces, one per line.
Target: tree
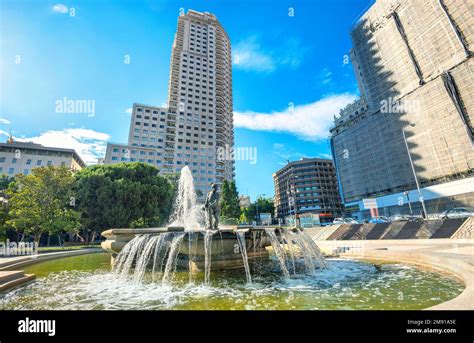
{"x":5,"y":181}
{"x":40,"y":202}
{"x":123,"y":195}
{"x":265,"y":205}
{"x":230,"y":206}
{"x":244,"y":216}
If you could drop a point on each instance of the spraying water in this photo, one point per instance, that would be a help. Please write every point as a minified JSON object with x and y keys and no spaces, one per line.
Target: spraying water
{"x":243,"y":251}
{"x":160,"y":253}
{"x":170,"y":267}
{"x":187,"y":213}
{"x":207,"y":256}
{"x":278,"y":250}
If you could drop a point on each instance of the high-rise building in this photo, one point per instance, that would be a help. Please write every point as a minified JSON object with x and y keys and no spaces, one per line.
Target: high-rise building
{"x":413,"y":62}
{"x":22,"y":157}
{"x":198,"y":121}
{"x":307,"y":186}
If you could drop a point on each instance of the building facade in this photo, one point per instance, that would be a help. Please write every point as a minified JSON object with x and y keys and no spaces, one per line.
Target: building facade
{"x":22,"y":157}
{"x":198,"y":121}
{"x":414,"y":67}
{"x":308,"y":186}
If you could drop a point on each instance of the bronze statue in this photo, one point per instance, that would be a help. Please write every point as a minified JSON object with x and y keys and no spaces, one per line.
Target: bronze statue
{"x":212,"y":207}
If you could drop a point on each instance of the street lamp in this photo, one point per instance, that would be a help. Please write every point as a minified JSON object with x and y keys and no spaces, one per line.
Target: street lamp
{"x":420,"y":196}
{"x":292,"y":176}
{"x":407,"y":194}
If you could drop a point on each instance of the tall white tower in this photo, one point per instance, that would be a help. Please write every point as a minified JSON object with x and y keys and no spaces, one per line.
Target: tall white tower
{"x":198,"y":125}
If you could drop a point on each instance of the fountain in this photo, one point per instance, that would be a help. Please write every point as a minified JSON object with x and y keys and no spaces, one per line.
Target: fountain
{"x":193,"y":240}
{"x":195,"y":264}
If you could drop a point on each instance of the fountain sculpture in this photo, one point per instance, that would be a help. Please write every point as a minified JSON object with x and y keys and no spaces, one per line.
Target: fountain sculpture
{"x":193,"y":240}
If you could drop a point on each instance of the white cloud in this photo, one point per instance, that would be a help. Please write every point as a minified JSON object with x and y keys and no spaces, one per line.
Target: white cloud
{"x":89,"y":144}
{"x":4,"y":121}
{"x":60,"y":8}
{"x":248,"y":54}
{"x":309,"y":122}
{"x":128,"y":110}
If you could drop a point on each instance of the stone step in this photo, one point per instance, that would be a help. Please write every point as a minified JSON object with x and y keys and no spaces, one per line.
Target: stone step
{"x":6,"y":276}
{"x":10,"y":279}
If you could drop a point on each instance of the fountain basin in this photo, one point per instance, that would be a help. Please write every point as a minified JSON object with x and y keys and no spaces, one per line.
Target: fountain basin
{"x":116,"y":239}
{"x":224,"y":248}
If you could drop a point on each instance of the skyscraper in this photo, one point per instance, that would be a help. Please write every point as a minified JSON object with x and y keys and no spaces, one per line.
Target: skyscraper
{"x":413,"y":62}
{"x":198,"y":121}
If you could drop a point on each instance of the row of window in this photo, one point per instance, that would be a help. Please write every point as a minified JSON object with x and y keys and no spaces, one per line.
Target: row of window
{"x":191,"y":85}
{"x":29,"y":161}
{"x":152,"y":153}
{"x":139,"y":109}
{"x":12,"y":171}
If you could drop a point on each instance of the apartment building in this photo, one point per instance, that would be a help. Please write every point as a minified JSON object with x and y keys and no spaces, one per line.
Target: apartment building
{"x":22,"y":157}
{"x":307,"y":186}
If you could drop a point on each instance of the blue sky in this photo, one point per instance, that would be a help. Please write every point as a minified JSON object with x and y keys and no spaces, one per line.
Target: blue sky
{"x":289,"y":75}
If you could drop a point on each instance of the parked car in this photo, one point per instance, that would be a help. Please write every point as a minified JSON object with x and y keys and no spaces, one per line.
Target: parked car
{"x":458,"y":212}
{"x":380,"y":219}
{"x":345,"y":221}
{"x":403,"y":218}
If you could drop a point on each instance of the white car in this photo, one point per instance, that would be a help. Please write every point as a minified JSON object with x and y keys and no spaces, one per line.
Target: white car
{"x":458,"y":212}
{"x":345,"y":221}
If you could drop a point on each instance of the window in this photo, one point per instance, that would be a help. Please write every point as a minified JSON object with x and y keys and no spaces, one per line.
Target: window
{"x":2,"y":159}
{"x":38,"y":163}
{"x":14,"y":160}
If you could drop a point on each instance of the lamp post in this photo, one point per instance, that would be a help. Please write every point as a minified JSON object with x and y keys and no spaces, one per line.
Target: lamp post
{"x":408,"y":200}
{"x":288,"y":191}
{"x":420,"y":196}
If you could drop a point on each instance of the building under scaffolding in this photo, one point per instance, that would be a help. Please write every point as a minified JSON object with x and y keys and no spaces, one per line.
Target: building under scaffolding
{"x":413,"y":62}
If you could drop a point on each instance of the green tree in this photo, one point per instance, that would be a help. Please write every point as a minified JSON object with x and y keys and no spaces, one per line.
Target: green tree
{"x":244,"y":216}
{"x":40,"y":202}
{"x":123,"y":195}
{"x":230,"y":207}
{"x":5,"y":181}
{"x":265,"y":205}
